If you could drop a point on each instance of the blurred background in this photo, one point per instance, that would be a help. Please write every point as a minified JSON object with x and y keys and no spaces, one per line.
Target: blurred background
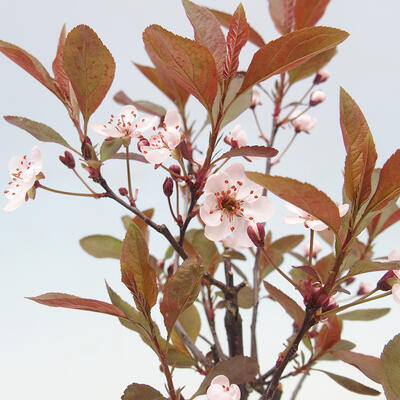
{"x":48,"y":353}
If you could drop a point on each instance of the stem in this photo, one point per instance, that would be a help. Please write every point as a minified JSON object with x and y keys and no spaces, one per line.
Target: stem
{"x":83,"y":181}
{"x":95,"y":195}
{"x":310,"y":256}
{"x":256,"y":283}
{"x":283,"y":152}
{"x":298,"y":387}
{"x":259,"y":126}
{"x":128,"y":172}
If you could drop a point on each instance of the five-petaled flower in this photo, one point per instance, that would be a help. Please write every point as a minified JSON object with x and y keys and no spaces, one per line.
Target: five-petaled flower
{"x":231,"y":203}
{"x":127,"y":123}
{"x":24,"y":174}
{"x":159,"y":145}
{"x":306,"y":218}
{"x":220,"y":389}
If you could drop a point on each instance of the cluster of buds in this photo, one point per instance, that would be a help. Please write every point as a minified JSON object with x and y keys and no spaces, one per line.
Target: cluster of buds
{"x":315,"y":297}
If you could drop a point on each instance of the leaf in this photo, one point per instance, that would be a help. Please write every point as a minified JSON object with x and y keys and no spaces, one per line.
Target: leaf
{"x":245,"y":297}
{"x":370,"y":366}
{"x":250,"y":151}
{"x":324,"y":265}
{"x":137,"y":273}
{"x":388,"y":187}
{"x":290,"y":306}
{"x":364,"y":315}
{"x":102,"y":246}
{"x":350,"y":384}
{"x":309,"y":12}
{"x":142,"y":105}
{"x":205,"y":247}
{"x":238,"y":370}
{"x":185,"y":61}
{"x":289,"y":51}
{"x":391,"y":369}
{"x":38,"y":130}
{"x":77,"y":303}
{"x":312,"y":66}
{"x":109,"y":148}
{"x":302,"y":195}
{"x":391,"y":220}
{"x":281,"y":12}
{"x":180,"y":291}
{"x":364,"y":266}
{"x":60,"y":76}
{"x":360,"y":147}
{"x":225,"y":20}
{"x":329,"y":334}
{"x":29,"y":63}
{"x":207,"y":31}
{"x":90,"y":68}
{"x":191,"y":323}
{"x":237,"y":37}
{"x":137,"y":391}
{"x":132,"y":156}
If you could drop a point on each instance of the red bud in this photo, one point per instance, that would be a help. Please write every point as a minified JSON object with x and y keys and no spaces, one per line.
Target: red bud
{"x":68,"y":160}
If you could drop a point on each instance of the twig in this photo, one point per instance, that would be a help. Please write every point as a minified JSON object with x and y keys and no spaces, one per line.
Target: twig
{"x":298,"y":387}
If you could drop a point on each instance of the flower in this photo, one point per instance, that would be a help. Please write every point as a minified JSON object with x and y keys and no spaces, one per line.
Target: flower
{"x":302,"y":122}
{"x":231,"y":203}
{"x":316,"y":97}
{"x":305,"y":248}
{"x":220,"y":389}
{"x":127,"y":124}
{"x":24,"y":174}
{"x":308,"y":220}
{"x":321,"y":76}
{"x":237,"y":137}
{"x":255,"y":99}
{"x":159,"y":145}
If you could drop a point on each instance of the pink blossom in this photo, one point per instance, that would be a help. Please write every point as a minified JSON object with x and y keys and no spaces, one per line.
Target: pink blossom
{"x":24,"y":174}
{"x":307,"y":219}
{"x":321,"y":76}
{"x":230,"y":204}
{"x":220,"y":389}
{"x":305,"y":248}
{"x":166,"y":139}
{"x":128,"y":123}
{"x":237,"y":137}
{"x":303,"y":122}
{"x":316,"y":97}
{"x":255,"y":99}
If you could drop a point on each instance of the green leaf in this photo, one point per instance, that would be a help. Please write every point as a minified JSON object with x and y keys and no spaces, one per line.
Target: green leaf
{"x":350,"y":384}
{"x":364,"y":266}
{"x":137,"y":391}
{"x":78,"y":303}
{"x":180,"y":291}
{"x":309,"y":12}
{"x":364,"y":315}
{"x":191,"y":323}
{"x":245,"y":297}
{"x":102,"y":246}
{"x":38,"y":130}
{"x":281,"y":12}
{"x":109,"y":148}
{"x":90,"y":68}
{"x":289,"y":305}
{"x":250,"y":151}
{"x":238,"y":370}
{"x":302,"y":195}
{"x":205,"y":247}
{"x":137,"y":273}
{"x":207,"y":31}
{"x":289,"y":51}
{"x":391,"y":369}
{"x":185,"y":61}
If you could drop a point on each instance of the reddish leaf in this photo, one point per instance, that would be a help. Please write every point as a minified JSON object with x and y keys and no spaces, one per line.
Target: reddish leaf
{"x":395,"y":217}
{"x":329,"y":334}
{"x":364,"y":266}
{"x":137,"y":273}
{"x":144,"y":228}
{"x":180,"y":291}
{"x":302,"y":195}
{"x":225,"y":20}
{"x":29,"y":63}
{"x":308,"y":12}
{"x":132,"y":156}
{"x":236,"y":39}
{"x":281,"y":12}
{"x":310,"y":271}
{"x":290,"y":306}
{"x":90,"y":68}
{"x":60,"y":75}
{"x":137,"y":391}
{"x":185,"y":61}
{"x":324,"y":265}
{"x":250,"y":151}
{"x":289,"y":51}
{"x":77,"y":303}
{"x":207,"y":31}
{"x":370,"y":366}
{"x":388,"y":187}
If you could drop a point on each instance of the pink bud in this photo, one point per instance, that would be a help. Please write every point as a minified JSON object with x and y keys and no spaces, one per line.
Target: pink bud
{"x":317,"y":97}
{"x":303,"y":123}
{"x":123,"y":191}
{"x":256,"y":233}
{"x":365,"y":288}
{"x":255,"y":99}
{"x":387,"y":280}
{"x":176,"y":169}
{"x":142,"y":142}
{"x":168,"y":187}
{"x":349,"y":281}
{"x":321,"y":76}
{"x":68,"y":160}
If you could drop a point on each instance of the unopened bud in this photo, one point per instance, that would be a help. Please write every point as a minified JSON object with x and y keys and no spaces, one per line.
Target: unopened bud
{"x":321,"y":76}
{"x":365,"y":288}
{"x":68,"y":160}
{"x":256,"y":233}
{"x":168,"y":186}
{"x":175,"y":169}
{"x":141,"y":143}
{"x":88,"y":151}
{"x":349,"y":281}
{"x":123,"y":191}
{"x":304,"y":123}
{"x":317,"y":97}
{"x":255,"y":99}
{"x":387,"y":280}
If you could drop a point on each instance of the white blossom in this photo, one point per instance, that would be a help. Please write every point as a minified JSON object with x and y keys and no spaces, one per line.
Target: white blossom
{"x":220,"y":389}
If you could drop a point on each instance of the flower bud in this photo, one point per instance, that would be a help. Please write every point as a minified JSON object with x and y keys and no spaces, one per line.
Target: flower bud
{"x":256,"y":233}
{"x":387,"y":280}
{"x":365,"y":288}
{"x":255,"y":99}
{"x":317,"y":97}
{"x":68,"y":160}
{"x":349,"y":281}
{"x":123,"y":191}
{"x":142,"y":142}
{"x":321,"y":76}
{"x":168,"y":186}
{"x":88,"y":151}
{"x":304,"y":123}
{"x":176,"y":169}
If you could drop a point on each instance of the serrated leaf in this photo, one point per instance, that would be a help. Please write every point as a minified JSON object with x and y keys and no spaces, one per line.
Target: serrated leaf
{"x":60,"y":76}
{"x":126,"y":220}
{"x":137,"y":391}
{"x":38,"y":130}
{"x":364,"y":266}
{"x":109,"y":148}
{"x":309,"y":12}
{"x":102,"y":246}
{"x":391,"y":369}
{"x":289,"y":51}
{"x":364,"y":315}
{"x":302,"y":195}
{"x":282,"y":14}
{"x":250,"y":151}
{"x":207,"y":31}
{"x":90,"y":68}
{"x":185,"y":61}
{"x":238,"y":370}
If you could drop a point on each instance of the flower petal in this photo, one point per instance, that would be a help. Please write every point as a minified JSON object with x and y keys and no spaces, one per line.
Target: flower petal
{"x":105,"y":130}
{"x":172,"y":137}
{"x":216,"y":182}
{"x":240,"y":238}
{"x":142,"y":126}
{"x":394,"y":255}
{"x":234,"y":392}
{"x":220,"y":380}
{"x":208,"y":212}
{"x":239,"y":135}
{"x":155,"y":156}
{"x":219,"y":232}
{"x":295,"y":210}
{"x":396,"y":292}
{"x":316,"y":225}
{"x":235,"y":172}
{"x":343,"y":208}
{"x":128,"y":113}
{"x":37,"y":159}
{"x":172,"y":119}
{"x":14,"y":203}
{"x":260,"y":210}
{"x":292,"y":220}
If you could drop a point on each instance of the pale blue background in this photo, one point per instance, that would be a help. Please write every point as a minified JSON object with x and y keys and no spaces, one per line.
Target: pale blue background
{"x":55,"y":354}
